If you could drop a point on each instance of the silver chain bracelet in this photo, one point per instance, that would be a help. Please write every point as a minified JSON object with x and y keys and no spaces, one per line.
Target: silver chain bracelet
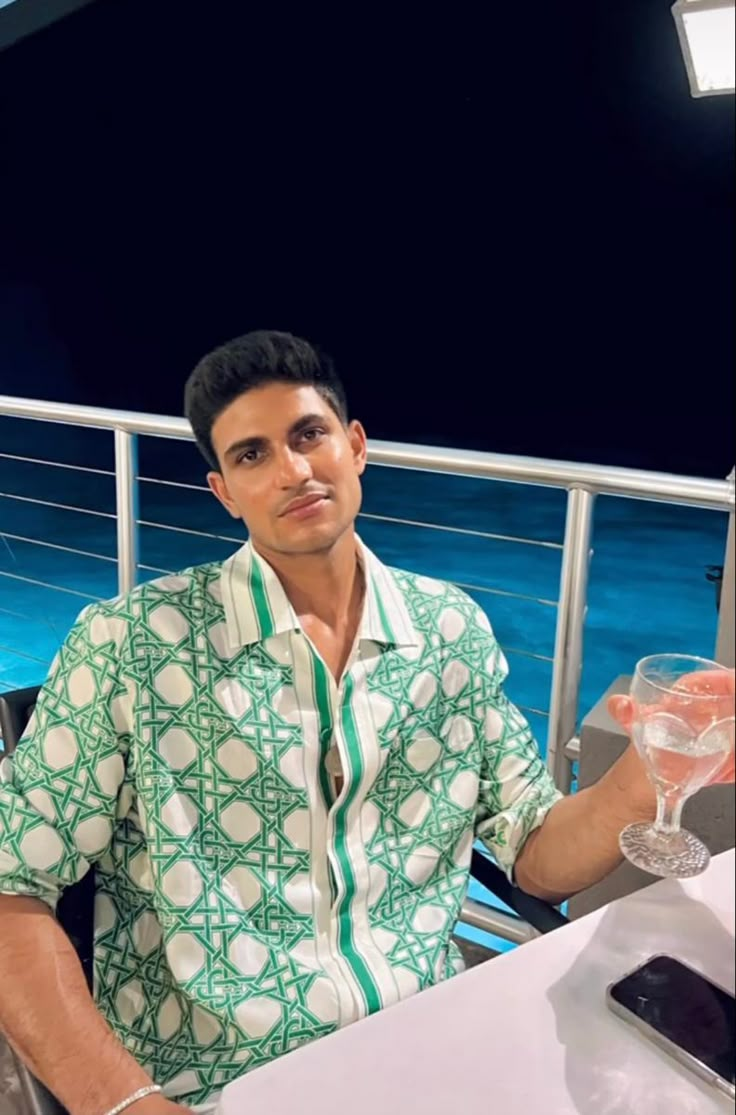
{"x":150,"y":1090}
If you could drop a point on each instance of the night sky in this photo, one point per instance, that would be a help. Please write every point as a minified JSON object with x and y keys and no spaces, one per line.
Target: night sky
{"x":510,"y":223}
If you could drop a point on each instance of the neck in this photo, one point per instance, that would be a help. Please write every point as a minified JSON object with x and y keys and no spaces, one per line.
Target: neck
{"x":323,"y":585}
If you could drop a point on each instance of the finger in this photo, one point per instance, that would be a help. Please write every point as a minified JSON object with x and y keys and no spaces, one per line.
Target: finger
{"x":716,"y":683}
{"x":622,"y":710}
{"x":727,"y":774}
{"x":702,"y":697}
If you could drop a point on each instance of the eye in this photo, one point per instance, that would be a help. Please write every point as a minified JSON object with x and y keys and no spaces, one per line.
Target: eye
{"x":312,"y":434}
{"x":248,"y":457}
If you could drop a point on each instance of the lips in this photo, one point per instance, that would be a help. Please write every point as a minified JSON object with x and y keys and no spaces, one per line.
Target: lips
{"x":303,"y":504}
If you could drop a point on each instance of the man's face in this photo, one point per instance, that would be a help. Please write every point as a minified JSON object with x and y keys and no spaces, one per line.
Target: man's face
{"x":289,"y":468}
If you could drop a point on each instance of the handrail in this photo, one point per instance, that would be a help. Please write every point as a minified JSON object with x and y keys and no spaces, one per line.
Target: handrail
{"x":694,"y":491}
{"x":509,"y":927}
{"x":582,"y":482}
{"x":58,"y":464}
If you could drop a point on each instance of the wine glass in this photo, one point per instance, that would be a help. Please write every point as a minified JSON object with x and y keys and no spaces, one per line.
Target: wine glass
{"x":683,"y":729}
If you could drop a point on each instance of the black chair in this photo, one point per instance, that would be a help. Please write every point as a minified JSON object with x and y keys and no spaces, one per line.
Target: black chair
{"x":540,"y":915}
{"x":76,"y":906}
{"x":714,"y":574}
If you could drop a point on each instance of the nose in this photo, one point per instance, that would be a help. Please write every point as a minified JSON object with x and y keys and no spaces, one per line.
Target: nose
{"x":293,"y":469}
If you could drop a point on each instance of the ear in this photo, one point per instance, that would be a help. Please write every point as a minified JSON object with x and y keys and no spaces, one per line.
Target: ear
{"x":359,"y":446}
{"x":218,"y":487}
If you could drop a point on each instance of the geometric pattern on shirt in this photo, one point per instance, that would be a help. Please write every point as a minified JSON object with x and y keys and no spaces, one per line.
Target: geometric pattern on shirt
{"x":151,"y":723}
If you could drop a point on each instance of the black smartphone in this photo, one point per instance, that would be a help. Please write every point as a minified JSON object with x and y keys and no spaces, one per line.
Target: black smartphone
{"x":685,"y":1014}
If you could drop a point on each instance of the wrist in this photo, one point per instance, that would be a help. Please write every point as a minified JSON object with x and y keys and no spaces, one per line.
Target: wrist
{"x":643,"y":793}
{"x":99,"y":1102}
{"x":154,"y":1104}
{"x":150,"y":1105}
{"x":627,"y":790}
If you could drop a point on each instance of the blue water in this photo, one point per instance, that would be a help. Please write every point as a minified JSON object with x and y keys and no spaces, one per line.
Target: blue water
{"x":648,"y":590}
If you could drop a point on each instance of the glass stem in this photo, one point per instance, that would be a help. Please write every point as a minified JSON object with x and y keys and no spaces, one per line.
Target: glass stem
{"x":669,"y":812}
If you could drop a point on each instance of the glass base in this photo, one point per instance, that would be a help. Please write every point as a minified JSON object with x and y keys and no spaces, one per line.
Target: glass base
{"x":679,"y":854}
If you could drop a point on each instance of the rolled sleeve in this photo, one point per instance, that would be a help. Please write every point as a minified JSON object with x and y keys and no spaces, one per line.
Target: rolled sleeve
{"x":516,"y":790}
{"x":59,"y":790}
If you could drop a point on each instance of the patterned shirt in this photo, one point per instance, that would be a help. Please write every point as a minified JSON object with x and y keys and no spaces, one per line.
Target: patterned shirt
{"x":183,"y":744}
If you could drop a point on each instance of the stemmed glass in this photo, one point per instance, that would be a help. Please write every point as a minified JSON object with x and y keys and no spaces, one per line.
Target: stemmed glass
{"x":683,"y":729}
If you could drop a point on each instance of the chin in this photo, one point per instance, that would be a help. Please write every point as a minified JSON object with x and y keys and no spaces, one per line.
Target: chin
{"x":312,"y":539}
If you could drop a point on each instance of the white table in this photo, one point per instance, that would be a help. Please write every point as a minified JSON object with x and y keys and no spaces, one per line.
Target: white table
{"x":526,"y":1032}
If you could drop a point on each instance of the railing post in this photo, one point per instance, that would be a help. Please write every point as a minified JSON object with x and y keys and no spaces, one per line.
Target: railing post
{"x":725,"y":642}
{"x":126,"y":500}
{"x":568,"y":663}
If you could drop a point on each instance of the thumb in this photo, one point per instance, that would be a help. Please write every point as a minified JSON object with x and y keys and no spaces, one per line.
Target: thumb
{"x":622,"y":710}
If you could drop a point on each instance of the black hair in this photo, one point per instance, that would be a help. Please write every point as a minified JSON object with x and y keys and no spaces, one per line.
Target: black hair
{"x":264,"y":356}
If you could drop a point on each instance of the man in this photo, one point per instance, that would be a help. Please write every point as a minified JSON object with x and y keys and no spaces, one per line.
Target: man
{"x":278,"y":766}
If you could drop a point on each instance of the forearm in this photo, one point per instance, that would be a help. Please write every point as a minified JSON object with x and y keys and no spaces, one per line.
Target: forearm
{"x":577,"y":845}
{"x":49,"y":1018}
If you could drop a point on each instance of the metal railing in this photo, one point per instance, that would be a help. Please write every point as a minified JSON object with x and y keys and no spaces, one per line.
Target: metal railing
{"x":581,"y":482}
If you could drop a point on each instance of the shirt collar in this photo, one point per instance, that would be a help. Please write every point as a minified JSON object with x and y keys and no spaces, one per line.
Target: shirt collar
{"x":257,"y":607}
{"x":386,"y":617}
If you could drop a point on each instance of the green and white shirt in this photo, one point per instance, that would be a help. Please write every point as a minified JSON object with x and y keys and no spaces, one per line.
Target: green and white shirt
{"x":179,"y":745}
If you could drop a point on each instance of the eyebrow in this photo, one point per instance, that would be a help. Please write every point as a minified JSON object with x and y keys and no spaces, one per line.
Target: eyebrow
{"x":256,"y":442}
